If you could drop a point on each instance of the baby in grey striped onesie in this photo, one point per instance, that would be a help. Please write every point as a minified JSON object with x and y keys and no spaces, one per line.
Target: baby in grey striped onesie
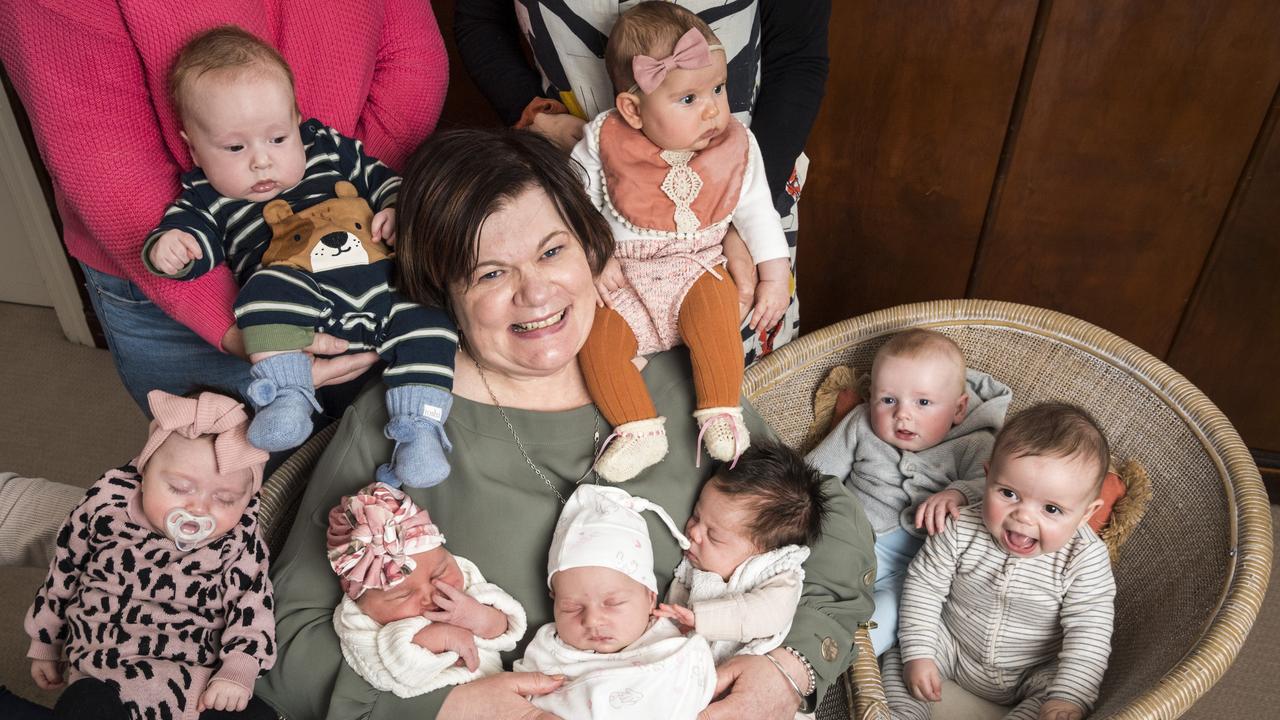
{"x":1014,"y":599}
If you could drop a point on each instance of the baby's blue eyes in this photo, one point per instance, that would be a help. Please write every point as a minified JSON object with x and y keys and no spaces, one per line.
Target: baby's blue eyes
{"x":1009,"y":494}
{"x":888,"y":400}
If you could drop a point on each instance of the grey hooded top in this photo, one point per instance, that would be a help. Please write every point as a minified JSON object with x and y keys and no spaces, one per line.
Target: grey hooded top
{"x":892,"y":482}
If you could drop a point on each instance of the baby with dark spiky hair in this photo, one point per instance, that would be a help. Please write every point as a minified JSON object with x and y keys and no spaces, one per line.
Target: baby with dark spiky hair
{"x":741,"y":577}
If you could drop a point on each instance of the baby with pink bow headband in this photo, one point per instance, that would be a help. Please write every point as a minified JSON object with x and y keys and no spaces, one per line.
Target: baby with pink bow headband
{"x":413,"y":617}
{"x":672,"y":171}
{"x":158,"y":598}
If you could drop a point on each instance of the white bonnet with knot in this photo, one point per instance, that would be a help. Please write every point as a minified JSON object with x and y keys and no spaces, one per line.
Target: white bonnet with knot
{"x":602,"y":527}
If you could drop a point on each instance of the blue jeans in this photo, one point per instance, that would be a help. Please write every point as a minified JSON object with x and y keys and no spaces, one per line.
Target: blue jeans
{"x":152,"y":350}
{"x":894,"y":551}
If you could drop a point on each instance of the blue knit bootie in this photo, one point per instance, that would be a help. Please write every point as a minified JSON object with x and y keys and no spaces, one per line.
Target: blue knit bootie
{"x":417,"y":420}
{"x":283,"y":396}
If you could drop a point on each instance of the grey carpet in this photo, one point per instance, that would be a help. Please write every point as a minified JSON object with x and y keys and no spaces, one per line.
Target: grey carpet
{"x":67,"y":418}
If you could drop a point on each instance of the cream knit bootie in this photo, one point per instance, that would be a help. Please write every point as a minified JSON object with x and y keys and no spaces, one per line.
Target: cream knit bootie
{"x":631,"y":448}
{"x":723,"y":433}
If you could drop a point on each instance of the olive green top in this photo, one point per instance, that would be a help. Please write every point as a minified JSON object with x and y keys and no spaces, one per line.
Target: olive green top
{"x":496,"y":512}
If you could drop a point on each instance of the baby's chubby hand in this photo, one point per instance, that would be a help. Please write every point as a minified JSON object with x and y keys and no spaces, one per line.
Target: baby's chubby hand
{"x":1056,"y":709}
{"x":923,"y":679}
{"x":47,"y":674}
{"x":173,"y":250}
{"x":459,"y":608}
{"x":773,"y":292}
{"x":442,"y":637}
{"x":932,"y":513}
{"x":383,"y":228}
{"x":683,"y":616}
{"x":224,"y":695}
{"x":611,"y":278}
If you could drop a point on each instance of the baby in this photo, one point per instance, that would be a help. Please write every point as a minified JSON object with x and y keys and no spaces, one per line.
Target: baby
{"x":621,"y":661}
{"x":256,"y":166}
{"x":671,"y":169}
{"x":414,"y":617}
{"x":1014,"y":599}
{"x":741,"y":577}
{"x":913,"y":453}
{"x":157,"y":597}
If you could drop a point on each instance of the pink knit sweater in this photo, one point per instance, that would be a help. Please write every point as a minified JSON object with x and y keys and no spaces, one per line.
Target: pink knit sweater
{"x":91,"y":74}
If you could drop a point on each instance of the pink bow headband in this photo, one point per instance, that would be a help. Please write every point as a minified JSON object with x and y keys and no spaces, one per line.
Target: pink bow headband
{"x":206,"y":414}
{"x":691,"y":53}
{"x":373,"y":535}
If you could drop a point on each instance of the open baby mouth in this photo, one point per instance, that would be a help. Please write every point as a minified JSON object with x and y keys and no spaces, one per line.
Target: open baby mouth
{"x":190,"y":527}
{"x":1018,"y":542}
{"x":538,"y":324}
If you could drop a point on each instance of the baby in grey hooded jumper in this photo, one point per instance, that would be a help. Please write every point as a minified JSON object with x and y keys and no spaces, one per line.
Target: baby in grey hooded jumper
{"x":914,"y":453}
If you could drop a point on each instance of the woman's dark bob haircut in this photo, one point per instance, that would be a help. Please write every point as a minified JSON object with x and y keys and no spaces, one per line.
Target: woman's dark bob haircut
{"x":458,"y":178}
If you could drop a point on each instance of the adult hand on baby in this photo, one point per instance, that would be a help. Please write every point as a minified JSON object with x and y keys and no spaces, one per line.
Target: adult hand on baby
{"x":442,"y":637}
{"x":224,"y":695}
{"x":682,"y":616}
{"x":459,"y":608}
{"x":932,"y":513}
{"x":741,"y":268}
{"x":173,"y":250}
{"x":560,"y":128}
{"x":384,"y":227}
{"x":755,"y":689}
{"x":324,"y":371}
{"x":923,"y":679}
{"x":47,"y":674}
{"x":1056,"y":709}
{"x":611,"y":278}
{"x":505,"y":695}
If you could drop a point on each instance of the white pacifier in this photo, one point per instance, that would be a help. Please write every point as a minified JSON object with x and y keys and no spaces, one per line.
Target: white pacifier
{"x":187,"y":530}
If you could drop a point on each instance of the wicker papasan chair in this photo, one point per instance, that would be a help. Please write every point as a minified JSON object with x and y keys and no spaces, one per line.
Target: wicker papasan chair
{"x":1191,"y":576}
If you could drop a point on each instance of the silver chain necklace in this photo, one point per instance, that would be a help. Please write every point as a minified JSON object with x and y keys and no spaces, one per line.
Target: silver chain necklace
{"x":595,"y":438}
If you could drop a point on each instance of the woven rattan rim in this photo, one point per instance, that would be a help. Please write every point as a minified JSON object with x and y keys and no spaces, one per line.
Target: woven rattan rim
{"x":1247,"y":500}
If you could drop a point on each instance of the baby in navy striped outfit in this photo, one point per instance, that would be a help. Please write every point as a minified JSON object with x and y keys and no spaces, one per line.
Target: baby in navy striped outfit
{"x":1014,"y":599}
{"x":265,"y":177}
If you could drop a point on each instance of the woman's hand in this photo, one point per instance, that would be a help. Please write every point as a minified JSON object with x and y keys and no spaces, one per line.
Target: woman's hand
{"x":324,"y":371}
{"x":755,"y":689}
{"x":500,"y":697}
{"x":560,"y":128}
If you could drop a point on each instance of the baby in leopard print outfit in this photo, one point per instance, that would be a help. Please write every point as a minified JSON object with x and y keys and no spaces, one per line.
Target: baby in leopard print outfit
{"x":157,"y":603}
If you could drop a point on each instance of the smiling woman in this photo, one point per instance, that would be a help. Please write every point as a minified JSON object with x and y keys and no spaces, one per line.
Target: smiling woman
{"x":495,"y":226}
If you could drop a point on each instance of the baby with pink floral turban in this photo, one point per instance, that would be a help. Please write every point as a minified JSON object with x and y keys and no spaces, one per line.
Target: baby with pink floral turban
{"x":414,"y":616}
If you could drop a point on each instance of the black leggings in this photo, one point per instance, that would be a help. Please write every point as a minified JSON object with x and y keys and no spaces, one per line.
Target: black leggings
{"x":92,"y":699}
